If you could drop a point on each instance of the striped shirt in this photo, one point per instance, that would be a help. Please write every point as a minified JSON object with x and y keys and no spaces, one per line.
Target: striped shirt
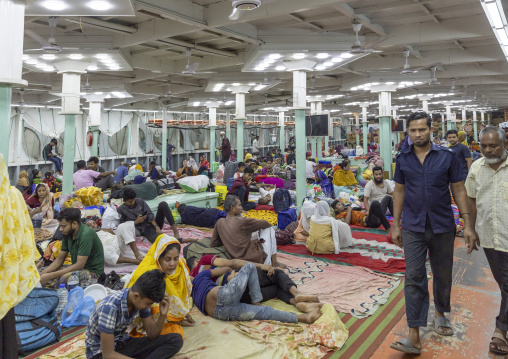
{"x":110,"y":316}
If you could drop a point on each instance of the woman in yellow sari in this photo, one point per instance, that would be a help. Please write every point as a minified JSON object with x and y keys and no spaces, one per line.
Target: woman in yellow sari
{"x":344,"y":176}
{"x":165,"y":255}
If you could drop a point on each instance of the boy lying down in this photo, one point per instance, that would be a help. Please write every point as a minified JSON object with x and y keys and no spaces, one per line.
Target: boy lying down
{"x":223,"y":302}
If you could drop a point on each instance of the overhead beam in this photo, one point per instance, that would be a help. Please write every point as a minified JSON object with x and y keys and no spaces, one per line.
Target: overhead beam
{"x":414,"y":52}
{"x":302,"y":20}
{"x":104,"y":25}
{"x":201,"y":48}
{"x":348,"y":11}
{"x":459,"y":45}
{"x":427,"y":11}
{"x":385,"y":5}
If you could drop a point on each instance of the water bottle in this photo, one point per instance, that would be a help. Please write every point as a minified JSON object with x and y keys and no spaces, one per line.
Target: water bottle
{"x":86,"y":282}
{"x":62,"y":301}
{"x":73,"y":282}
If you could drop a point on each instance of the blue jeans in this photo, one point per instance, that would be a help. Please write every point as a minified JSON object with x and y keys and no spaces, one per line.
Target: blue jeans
{"x":169,"y":163}
{"x":58,"y":163}
{"x":416,"y":289}
{"x":240,"y":193}
{"x":229,"y":308}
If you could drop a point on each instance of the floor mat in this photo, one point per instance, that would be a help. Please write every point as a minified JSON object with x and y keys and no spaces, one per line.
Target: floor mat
{"x":354,"y":290}
{"x":69,"y":335}
{"x":366,"y":335}
{"x":211,"y":338}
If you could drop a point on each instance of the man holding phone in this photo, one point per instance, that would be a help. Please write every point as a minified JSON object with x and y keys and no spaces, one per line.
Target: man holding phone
{"x":241,"y":187}
{"x":137,"y":219}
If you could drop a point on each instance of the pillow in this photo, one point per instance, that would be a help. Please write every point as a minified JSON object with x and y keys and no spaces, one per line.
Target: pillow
{"x":264,"y":207}
{"x":194,"y":184}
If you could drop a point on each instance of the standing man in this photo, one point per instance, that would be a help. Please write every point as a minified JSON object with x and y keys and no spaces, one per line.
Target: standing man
{"x":422,"y":178}
{"x":169,"y":155}
{"x":462,"y":151}
{"x":255,"y":147}
{"x":225,"y":147}
{"x":48,"y":155}
{"x":487,"y":191}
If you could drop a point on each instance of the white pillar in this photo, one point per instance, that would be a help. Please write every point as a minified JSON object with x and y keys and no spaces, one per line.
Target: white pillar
{"x":212,"y":123}
{"x":299,"y":69}
{"x":425,"y":102}
{"x":448,"y":117}
{"x":482,"y":113}
{"x":282,"y":134}
{"x":464,"y":117}
{"x":396,"y":138}
{"x":365,"y":123}
{"x":240,"y":92}
{"x":385,"y":123}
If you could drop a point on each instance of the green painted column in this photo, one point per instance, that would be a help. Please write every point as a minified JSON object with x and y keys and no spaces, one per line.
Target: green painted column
{"x":313,"y":145}
{"x":464,"y":118}
{"x":443,"y":126}
{"x":282,"y":134}
{"x":488,"y":119}
{"x":475,"y":130}
{"x":5,"y":120}
{"x":94,"y":149}
{"x":228,"y":124}
{"x":385,"y":142}
{"x":239,"y":139}
{"x":69,"y":153}
{"x":301,"y":181}
{"x":212,"y":144}
{"x":327,"y":138}
{"x":365,"y":139}
{"x":164,"y":138}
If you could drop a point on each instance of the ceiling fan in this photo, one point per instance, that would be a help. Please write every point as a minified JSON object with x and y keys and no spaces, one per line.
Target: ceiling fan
{"x":434,"y":81}
{"x":86,"y":87}
{"x":21,"y":102}
{"x":313,"y":88}
{"x":50,"y":45}
{"x":239,"y":6}
{"x":453,"y":89}
{"x":357,"y":47}
{"x":168,"y":94}
{"x":190,"y":69}
{"x":407,"y":70}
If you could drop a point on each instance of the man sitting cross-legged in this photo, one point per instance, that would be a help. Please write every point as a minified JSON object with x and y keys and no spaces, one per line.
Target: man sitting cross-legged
{"x":136,"y":218}
{"x":274,"y":283}
{"x":107,"y":336}
{"x":223,"y":302}
{"x":235,"y":233}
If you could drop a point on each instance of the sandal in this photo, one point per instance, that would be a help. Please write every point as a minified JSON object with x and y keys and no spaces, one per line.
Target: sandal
{"x":442,"y":322}
{"x":404,"y":345}
{"x":494,"y":347}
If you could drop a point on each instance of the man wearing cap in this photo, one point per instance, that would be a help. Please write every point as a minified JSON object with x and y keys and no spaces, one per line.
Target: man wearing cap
{"x":463,"y":138}
{"x":225,"y":147}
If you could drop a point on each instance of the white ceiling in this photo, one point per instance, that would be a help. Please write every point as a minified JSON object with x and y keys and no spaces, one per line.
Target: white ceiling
{"x":151,"y":48}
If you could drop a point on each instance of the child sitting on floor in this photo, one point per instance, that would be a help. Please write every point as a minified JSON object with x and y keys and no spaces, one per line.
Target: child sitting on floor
{"x":223,"y":302}
{"x":106,"y":335}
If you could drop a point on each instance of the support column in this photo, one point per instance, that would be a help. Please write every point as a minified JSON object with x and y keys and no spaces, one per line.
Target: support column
{"x":397,"y":137}
{"x":475,"y":126}
{"x":212,"y":123}
{"x":164,"y":136}
{"x":12,"y":20}
{"x":425,"y":106}
{"x":488,"y":118}
{"x":313,"y":147}
{"x":464,"y":117}
{"x":71,"y":88}
{"x":448,"y":117}
{"x":228,"y":124}
{"x":282,"y":134}
{"x":240,"y":92}
{"x":482,"y":113}
{"x":299,"y":69}
{"x":443,"y":125}
{"x":365,"y":123}
{"x":385,"y":124}
{"x":94,"y":120}
{"x":357,"y":128}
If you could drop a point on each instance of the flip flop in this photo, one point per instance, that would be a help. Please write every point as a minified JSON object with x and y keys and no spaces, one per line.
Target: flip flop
{"x":442,"y":322}
{"x":496,"y":349}
{"x":404,"y":345}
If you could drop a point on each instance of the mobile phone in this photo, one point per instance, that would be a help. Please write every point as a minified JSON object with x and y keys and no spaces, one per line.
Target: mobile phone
{"x":144,"y":213}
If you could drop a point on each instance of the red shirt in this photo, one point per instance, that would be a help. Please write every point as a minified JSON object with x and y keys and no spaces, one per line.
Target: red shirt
{"x":206,"y":260}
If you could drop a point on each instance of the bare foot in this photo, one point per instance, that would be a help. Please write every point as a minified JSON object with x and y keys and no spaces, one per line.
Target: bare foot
{"x":308,"y":307}
{"x":139,"y":257}
{"x":310,"y":317}
{"x":306,"y":298}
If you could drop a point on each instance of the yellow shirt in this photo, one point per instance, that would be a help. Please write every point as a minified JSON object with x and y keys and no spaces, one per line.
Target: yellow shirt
{"x":490,"y":188}
{"x":343,"y":178}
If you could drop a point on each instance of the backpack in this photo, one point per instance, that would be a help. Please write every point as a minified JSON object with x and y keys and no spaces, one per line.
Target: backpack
{"x":36,"y":321}
{"x":284,"y":218}
{"x":281,"y":200}
{"x":229,"y":170}
{"x":203,"y":247}
{"x":229,"y":183}
{"x":284,"y":237}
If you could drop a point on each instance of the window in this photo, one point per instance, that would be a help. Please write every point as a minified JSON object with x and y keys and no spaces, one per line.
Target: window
{"x":118,"y":142}
{"x":32,"y":144}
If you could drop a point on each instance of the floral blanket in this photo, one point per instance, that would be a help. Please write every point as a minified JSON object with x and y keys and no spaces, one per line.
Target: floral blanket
{"x":212,"y":338}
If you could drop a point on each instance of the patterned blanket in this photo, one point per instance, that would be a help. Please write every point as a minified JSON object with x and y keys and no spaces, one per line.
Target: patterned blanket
{"x":354,"y":290}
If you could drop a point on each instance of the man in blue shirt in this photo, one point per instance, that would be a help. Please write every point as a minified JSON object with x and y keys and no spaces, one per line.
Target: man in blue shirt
{"x":121,"y":172}
{"x":169,"y":155}
{"x":423,"y":174}
{"x":106,"y":335}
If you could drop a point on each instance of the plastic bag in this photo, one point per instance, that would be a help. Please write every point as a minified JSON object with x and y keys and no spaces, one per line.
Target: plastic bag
{"x":111,"y":218}
{"x":78,"y":309}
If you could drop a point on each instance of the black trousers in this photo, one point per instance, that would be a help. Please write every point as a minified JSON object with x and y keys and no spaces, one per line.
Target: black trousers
{"x":8,"y":346}
{"x":275,"y":286}
{"x":377,"y":213}
{"x":164,"y":347}
{"x":225,"y":159}
{"x":163,"y":212}
{"x":105,"y":183}
{"x":498,"y":262}
{"x":240,"y":193}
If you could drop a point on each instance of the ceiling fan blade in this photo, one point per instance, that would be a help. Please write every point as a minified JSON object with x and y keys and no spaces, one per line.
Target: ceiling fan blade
{"x":193,"y":67}
{"x":205,"y":72}
{"x":427,"y":67}
{"x":235,"y":14}
{"x":32,"y":50}
{"x":36,"y":37}
{"x":377,"y":41}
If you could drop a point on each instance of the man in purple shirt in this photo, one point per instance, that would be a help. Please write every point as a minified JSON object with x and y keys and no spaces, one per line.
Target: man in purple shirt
{"x":84,"y":178}
{"x":268,"y":169}
{"x":423,"y":175}
{"x":225,"y":147}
